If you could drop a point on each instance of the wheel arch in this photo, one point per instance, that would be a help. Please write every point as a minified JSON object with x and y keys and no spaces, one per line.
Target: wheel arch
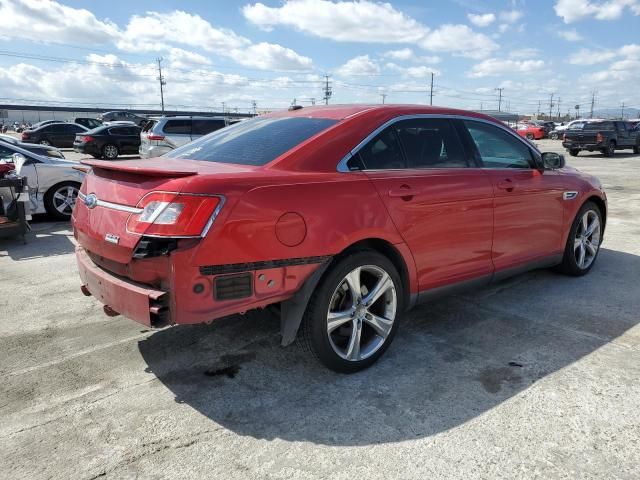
{"x":293,"y":309}
{"x":602,"y":205}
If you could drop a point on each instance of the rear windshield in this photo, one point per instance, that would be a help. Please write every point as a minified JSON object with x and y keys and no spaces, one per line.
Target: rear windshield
{"x":149,"y":125}
{"x":253,"y":142}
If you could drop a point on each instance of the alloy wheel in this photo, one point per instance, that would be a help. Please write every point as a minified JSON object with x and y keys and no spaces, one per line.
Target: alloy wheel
{"x":587,"y":240}
{"x":64,"y":199}
{"x":110,"y":151}
{"x":361,"y":312}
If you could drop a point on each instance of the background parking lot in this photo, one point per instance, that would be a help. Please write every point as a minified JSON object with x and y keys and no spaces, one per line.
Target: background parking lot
{"x":534,"y":377}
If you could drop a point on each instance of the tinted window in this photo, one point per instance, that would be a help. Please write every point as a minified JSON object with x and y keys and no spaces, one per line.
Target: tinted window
{"x":431,"y":143}
{"x":149,"y":125}
{"x":253,"y":142}
{"x":124,"y":131}
{"x":54,"y":128}
{"x":74,"y":128}
{"x":178,"y":127}
{"x":599,"y":126}
{"x":497,"y":148}
{"x":382,"y":152}
{"x":202,"y":127}
{"x":6,"y":154}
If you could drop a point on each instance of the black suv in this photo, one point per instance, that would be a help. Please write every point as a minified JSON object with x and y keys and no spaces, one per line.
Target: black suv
{"x":605,"y":136}
{"x":59,"y":135}
{"x":108,"y":141}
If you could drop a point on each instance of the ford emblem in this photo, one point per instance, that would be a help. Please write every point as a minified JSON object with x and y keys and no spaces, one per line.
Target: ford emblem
{"x":91,"y":201}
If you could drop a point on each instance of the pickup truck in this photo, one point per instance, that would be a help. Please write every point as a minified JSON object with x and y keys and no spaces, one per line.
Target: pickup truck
{"x":605,"y":136}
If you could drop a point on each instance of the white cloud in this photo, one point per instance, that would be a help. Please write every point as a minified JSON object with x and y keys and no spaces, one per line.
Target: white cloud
{"x":179,"y":58}
{"x":402,"y":54}
{"x":570,"y":35}
{"x":481,"y":20}
{"x":511,"y":16}
{"x":625,"y":70}
{"x":460,"y":40}
{"x":496,"y":66}
{"x":574,"y":10}
{"x":368,"y":22}
{"x":524,"y":53}
{"x":47,"y":21}
{"x":269,"y":56}
{"x":421,"y":72}
{"x":591,"y":57}
{"x":361,"y":65}
{"x":352,"y":21}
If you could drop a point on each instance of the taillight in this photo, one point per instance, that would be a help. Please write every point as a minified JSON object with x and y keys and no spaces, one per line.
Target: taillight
{"x":151,"y":136}
{"x":170,"y":214}
{"x":25,"y":135}
{"x":599,"y":138}
{"x":87,"y":138}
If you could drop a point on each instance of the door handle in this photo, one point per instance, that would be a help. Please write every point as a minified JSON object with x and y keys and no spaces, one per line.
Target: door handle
{"x":403,"y":191}
{"x":506,"y":184}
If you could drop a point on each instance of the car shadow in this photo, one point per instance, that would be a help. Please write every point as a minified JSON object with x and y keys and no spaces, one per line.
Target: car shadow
{"x":47,"y":238}
{"x":452,"y":360}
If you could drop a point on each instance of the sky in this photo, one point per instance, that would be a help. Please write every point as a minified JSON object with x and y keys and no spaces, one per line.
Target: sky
{"x":275,"y":52}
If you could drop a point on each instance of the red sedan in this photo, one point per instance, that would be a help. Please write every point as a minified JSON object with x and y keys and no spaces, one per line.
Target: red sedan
{"x":531,"y":131}
{"x":342,"y":217}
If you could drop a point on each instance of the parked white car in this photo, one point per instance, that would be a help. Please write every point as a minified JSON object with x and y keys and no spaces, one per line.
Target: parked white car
{"x":53,"y":183}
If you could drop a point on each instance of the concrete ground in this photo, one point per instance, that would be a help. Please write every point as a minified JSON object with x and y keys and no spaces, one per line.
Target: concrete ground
{"x":536,"y":377}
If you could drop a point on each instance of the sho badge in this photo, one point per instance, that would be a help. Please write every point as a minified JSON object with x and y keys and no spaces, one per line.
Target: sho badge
{"x":91,"y":201}
{"x":111,"y":238}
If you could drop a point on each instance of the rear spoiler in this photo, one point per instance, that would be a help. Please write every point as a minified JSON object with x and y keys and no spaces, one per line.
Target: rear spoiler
{"x":138,"y":168}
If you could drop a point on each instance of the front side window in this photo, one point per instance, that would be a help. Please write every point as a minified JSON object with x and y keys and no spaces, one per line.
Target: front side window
{"x":497,"y":148}
{"x":253,"y":142}
{"x":431,"y":143}
{"x":382,"y":152}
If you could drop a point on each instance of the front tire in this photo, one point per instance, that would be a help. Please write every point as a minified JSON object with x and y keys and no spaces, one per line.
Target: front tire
{"x":60,"y":200}
{"x":553,"y":136}
{"x":574,"y":152}
{"x":584,"y":241}
{"x":45,"y":142}
{"x":353,"y":315}
{"x":530,"y":136}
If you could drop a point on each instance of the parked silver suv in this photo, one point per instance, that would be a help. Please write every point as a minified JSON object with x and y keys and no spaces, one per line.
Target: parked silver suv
{"x":162,"y":134}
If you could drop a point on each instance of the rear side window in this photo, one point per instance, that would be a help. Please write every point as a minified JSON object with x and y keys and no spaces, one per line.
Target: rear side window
{"x":497,"y":148}
{"x":431,"y":143}
{"x":149,"y":125}
{"x":382,"y":152}
{"x":253,"y":142}
{"x":182,"y":127}
{"x":202,"y":127}
{"x":599,"y":126}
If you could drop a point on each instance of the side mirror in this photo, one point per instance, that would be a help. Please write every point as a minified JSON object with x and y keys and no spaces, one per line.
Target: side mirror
{"x":552,"y":161}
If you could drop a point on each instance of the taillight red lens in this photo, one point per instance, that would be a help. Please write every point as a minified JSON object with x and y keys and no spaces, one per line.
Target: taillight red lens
{"x":169,"y":214}
{"x":155,"y":137}
{"x":87,"y":139}
{"x":599,"y":138}
{"x":25,"y":135}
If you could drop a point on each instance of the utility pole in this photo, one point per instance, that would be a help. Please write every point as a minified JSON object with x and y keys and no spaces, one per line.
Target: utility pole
{"x":327,"y":90}
{"x":224,"y":106}
{"x":481,"y":106}
{"x":550,"y":106}
{"x":622,"y":112}
{"x":577,"y":107}
{"x":162,"y":82}
{"x":538,"y":114}
{"x":559,"y":100}
{"x":254,"y":106}
{"x":593,"y":102}
{"x":313,"y":100}
{"x":431,"y":91}
{"x":383,"y":95}
{"x":499,"y":90}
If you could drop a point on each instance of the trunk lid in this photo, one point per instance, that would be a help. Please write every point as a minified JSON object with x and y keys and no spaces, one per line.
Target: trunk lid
{"x":102,"y":230}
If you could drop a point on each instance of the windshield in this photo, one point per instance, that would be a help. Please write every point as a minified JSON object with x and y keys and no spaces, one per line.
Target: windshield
{"x":253,"y":142}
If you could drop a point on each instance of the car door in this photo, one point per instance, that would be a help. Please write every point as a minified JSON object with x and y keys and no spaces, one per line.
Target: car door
{"x":130,"y":139}
{"x":622,"y":132}
{"x":440,"y":203}
{"x":528,"y":201}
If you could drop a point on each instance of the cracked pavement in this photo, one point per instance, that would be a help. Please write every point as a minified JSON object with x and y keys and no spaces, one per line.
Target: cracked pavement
{"x":535,"y":377}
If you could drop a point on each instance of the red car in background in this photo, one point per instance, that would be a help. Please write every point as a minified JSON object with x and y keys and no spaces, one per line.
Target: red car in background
{"x":342,"y":217}
{"x":531,"y":131}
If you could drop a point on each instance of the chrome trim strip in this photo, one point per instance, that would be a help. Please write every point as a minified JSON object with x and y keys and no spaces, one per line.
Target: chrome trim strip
{"x":215,"y":213}
{"x":111,"y":205}
{"x":342,"y":165}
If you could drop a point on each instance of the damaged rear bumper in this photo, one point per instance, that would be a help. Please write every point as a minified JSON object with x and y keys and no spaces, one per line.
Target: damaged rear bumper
{"x":138,"y":302}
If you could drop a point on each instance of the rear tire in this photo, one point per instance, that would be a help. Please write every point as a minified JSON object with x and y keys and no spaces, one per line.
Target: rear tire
{"x":60,"y":200}
{"x":583,"y":243}
{"x":610,"y":150}
{"x":345,"y":327}
{"x":574,"y":152}
{"x":530,"y":136}
{"x":636,"y":149}
{"x":110,"y":152}
{"x":45,"y":142}
{"x":553,"y":136}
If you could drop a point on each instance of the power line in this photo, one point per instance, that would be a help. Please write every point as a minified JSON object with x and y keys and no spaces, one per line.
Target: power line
{"x":431,"y":92}
{"x":499,"y":90}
